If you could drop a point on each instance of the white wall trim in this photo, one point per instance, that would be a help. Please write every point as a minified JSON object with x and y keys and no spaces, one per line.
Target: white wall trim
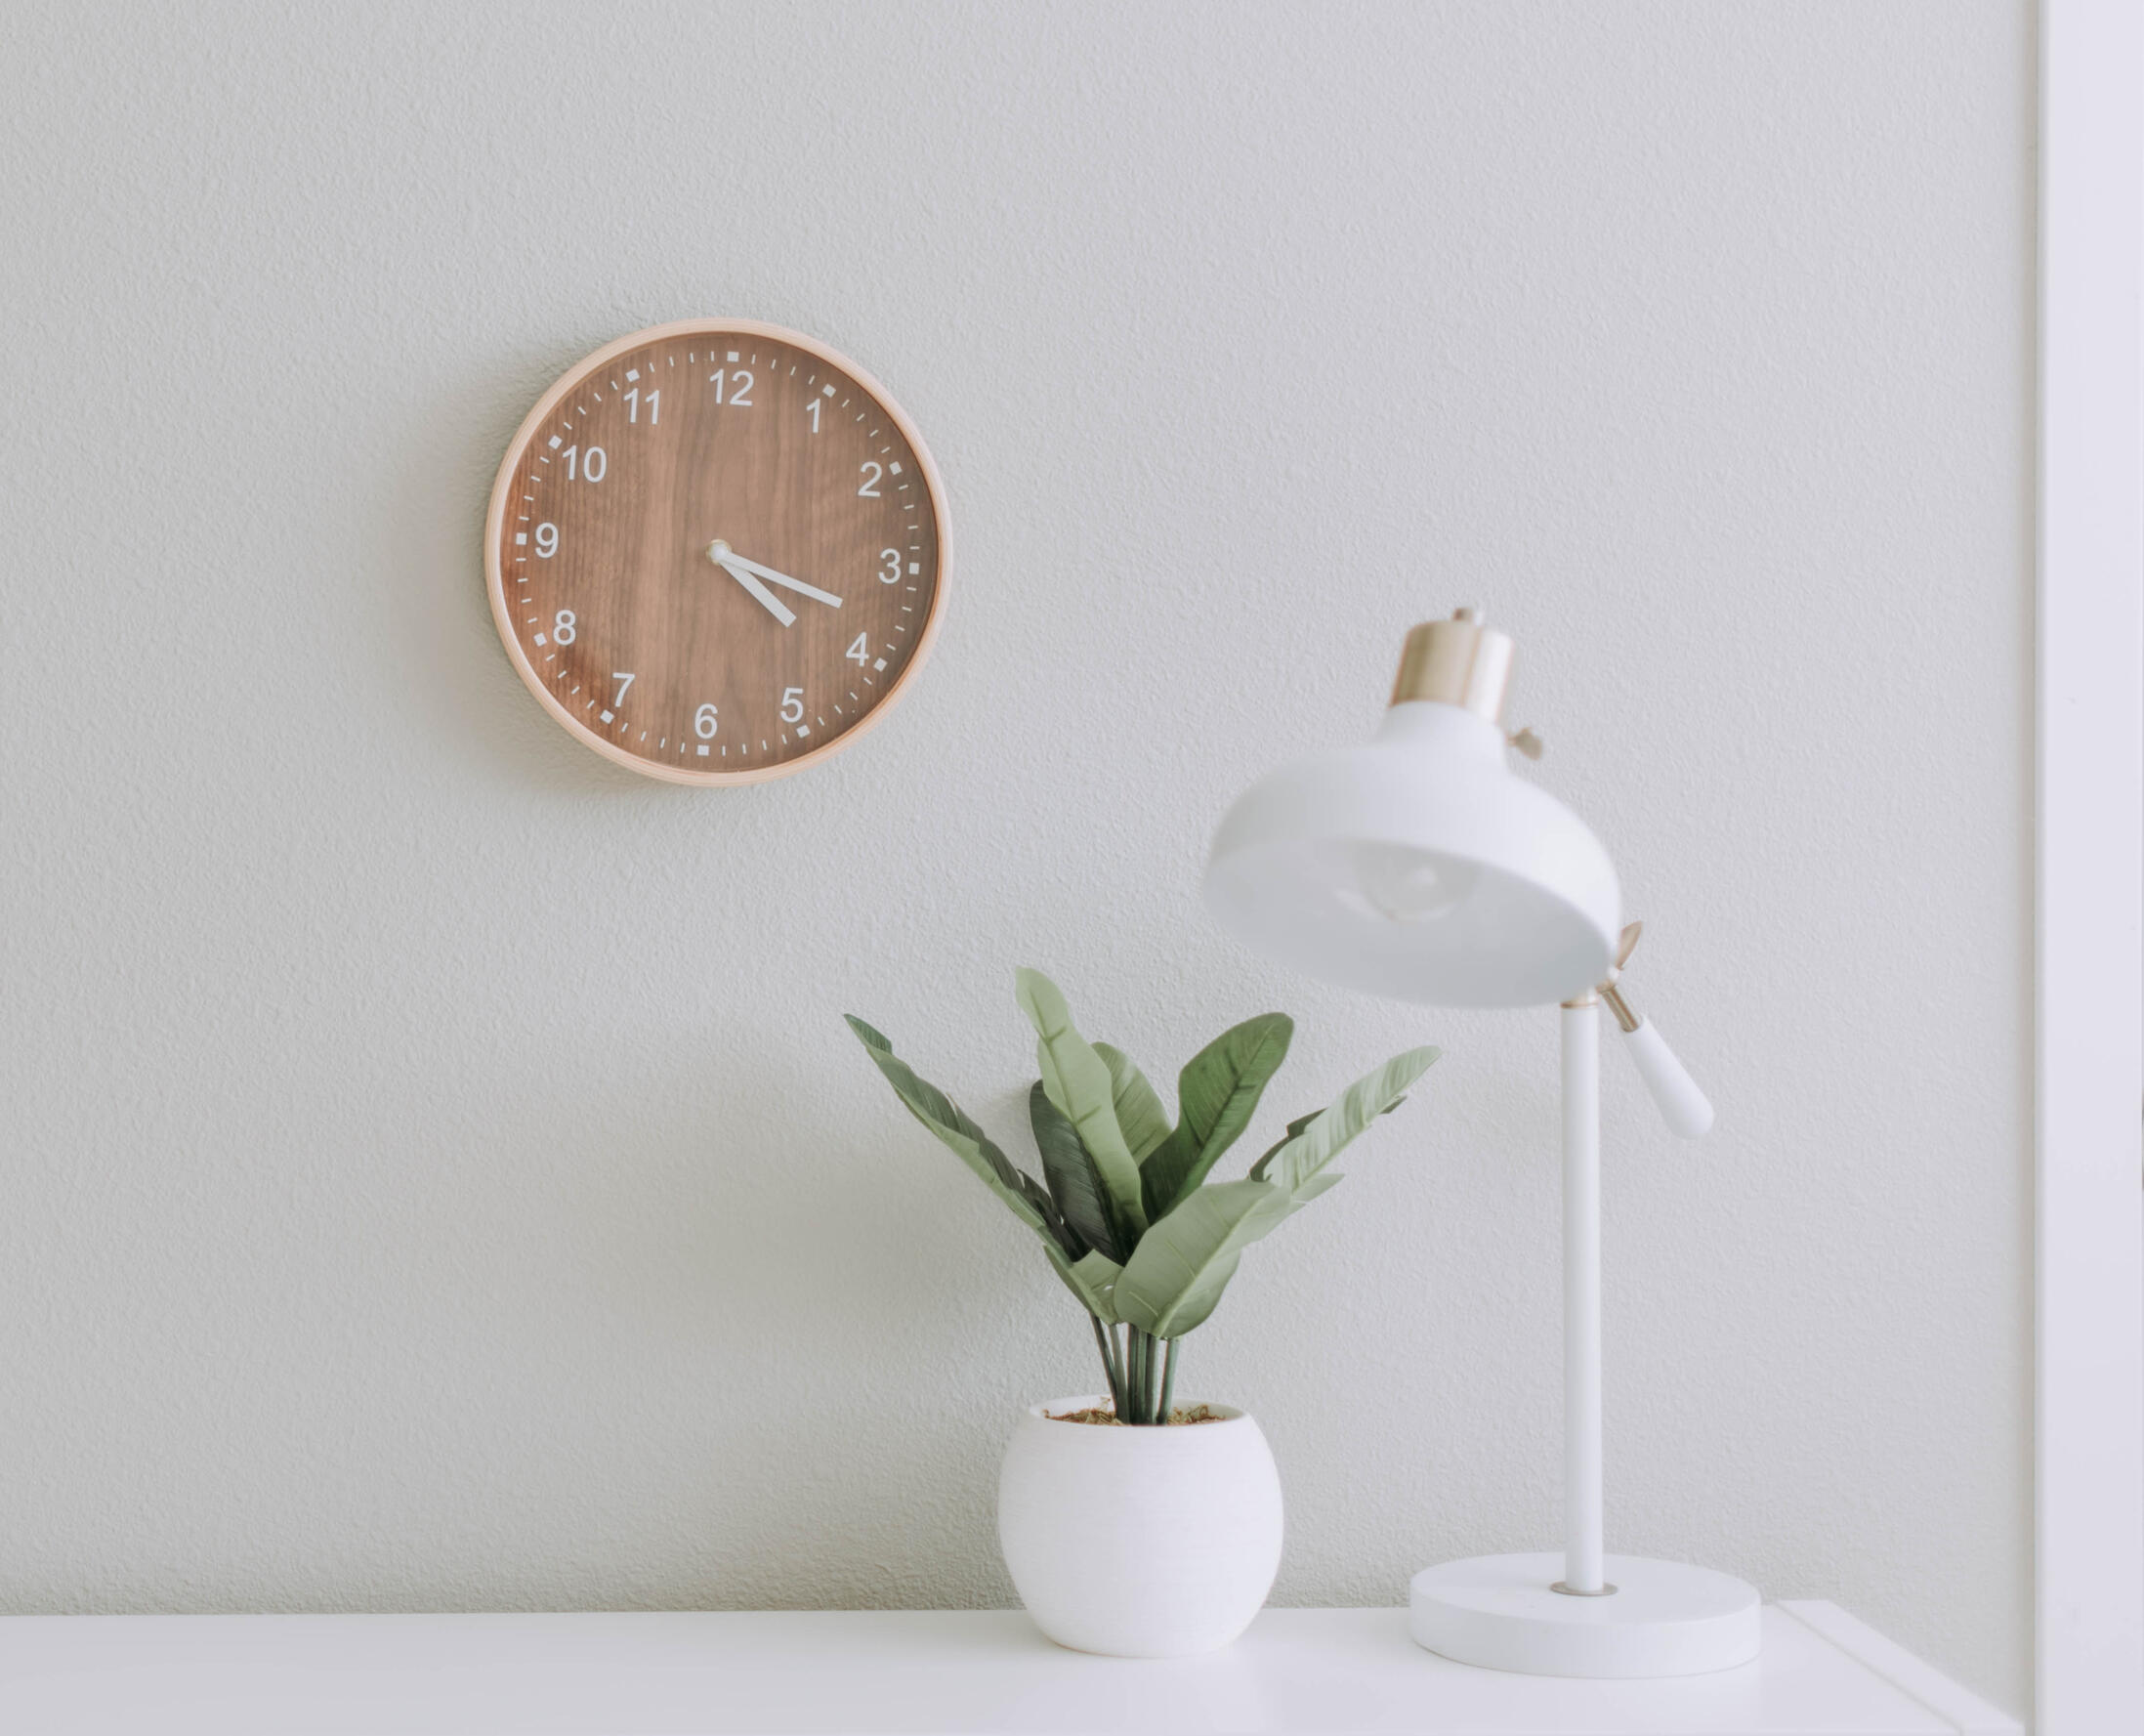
{"x":2089,"y":1481}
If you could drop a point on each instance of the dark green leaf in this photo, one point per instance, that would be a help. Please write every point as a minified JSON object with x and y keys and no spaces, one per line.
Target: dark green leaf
{"x":1216,"y":1096}
{"x":1075,"y":1185}
{"x":1061,"y":1232}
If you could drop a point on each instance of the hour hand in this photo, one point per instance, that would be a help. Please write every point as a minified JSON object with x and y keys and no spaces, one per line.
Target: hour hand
{"x":736,"y":561}
{"x":719,"y":553}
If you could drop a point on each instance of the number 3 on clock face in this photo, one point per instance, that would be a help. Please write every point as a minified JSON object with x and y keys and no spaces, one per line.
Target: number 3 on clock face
{"x":717,"y":552}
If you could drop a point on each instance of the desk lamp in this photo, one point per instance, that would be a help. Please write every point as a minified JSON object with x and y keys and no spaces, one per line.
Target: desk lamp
{"x":1418,"y":865}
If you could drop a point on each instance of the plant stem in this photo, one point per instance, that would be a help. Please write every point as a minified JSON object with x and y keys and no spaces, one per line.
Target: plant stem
{"x":1104,"y":1344}
{"x":1146,"y":1384}
{"x":1135,"y":1378}
{"x":1175,"y":1348}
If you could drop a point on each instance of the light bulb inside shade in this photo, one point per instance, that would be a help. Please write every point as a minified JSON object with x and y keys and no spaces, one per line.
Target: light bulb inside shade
{"x":1401,"y":884}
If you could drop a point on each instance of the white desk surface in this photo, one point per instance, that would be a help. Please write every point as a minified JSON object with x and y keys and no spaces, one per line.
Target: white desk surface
{"x":728,"y":1674}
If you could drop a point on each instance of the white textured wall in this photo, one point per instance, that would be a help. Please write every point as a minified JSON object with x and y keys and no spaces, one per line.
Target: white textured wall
{"x":435,"y":1173}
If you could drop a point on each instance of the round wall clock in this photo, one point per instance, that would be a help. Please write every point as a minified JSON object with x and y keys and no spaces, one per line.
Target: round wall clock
{"x":717,"y":551}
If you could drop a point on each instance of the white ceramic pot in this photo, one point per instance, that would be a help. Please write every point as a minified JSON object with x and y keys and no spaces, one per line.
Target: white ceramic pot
{"x":1140,"y":1543}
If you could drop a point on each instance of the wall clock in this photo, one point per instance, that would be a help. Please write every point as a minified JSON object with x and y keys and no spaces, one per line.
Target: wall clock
{"x":717,"y":551}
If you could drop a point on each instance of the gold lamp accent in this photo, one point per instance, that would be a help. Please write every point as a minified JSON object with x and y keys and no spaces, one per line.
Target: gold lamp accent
{"x":1461,"y":662}
{"x":1458,"y":662}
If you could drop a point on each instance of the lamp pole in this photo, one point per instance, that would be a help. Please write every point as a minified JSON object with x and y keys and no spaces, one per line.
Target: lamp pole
{"x":1581,"y":1107}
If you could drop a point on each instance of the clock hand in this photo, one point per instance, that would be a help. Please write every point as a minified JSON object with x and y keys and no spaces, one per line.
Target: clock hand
{"x":817,"y":595}
{"x":719,"y":553}
{"x":774,"y":605}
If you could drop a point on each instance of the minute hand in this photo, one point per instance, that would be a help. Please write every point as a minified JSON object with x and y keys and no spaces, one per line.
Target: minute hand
{"x":782,"y":578}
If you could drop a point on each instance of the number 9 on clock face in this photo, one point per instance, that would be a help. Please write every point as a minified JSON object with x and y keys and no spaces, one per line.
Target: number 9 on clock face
{"x":717,"y":551}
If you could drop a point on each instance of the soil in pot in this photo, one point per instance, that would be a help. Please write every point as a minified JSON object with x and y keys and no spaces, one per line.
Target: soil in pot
{"x":1107,"y":1418}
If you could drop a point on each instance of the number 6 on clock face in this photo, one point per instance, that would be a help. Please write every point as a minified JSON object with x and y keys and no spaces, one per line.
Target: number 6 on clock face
{"x":717,"y":552}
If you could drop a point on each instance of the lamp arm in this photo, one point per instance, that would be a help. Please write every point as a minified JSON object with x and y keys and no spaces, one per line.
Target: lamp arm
{"x":1686,"y":1111}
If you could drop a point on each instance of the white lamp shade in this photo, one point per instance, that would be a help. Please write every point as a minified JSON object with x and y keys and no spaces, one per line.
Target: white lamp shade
{"x":1417,"y":866}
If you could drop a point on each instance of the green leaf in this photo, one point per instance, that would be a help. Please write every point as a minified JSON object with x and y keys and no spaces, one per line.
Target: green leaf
{"x":1139,"y":1112}
{"x":1077,"y":1080}
{"x":1258,"y":1169}
{"x":1186,"y":1259}
{"x":1320,"y":1183}
{"x":1075,"y":1184}
{"x":1093,"y":1279}
{"x":1216,"y":1094}
{"x":870,"y":1038}
{"x":961,"y":1136}
{"x":1312,"y":1144}
{"x":1054,"y":1222}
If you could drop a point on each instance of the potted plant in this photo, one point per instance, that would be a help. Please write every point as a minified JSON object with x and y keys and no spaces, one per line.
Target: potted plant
{"x":1136,"y":1522}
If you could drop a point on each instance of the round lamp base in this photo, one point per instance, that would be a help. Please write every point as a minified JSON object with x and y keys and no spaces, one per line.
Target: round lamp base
{"x":1663,"y":1619}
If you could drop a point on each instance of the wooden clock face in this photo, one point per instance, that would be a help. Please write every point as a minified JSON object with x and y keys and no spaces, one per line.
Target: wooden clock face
{"x":716,"y":551}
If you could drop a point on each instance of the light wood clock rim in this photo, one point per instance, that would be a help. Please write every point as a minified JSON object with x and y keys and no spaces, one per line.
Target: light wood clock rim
{"x":502,"y":493}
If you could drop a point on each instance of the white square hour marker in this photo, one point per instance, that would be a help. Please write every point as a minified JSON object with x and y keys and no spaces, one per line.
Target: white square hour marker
{"x":521,"y":539}
{"x":540,"y":640}
{"x":701,"y":750}
{"x":880,"y":664}
{"x":826,"y":392}
{"x":607,"y":716}
{"x":915,"y":566}
{"x":631,"y":374}
{"x":803,"y":730}
{"x":733,"y":354}
{"x":555,"y":442}
{"x":895,"y":467}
